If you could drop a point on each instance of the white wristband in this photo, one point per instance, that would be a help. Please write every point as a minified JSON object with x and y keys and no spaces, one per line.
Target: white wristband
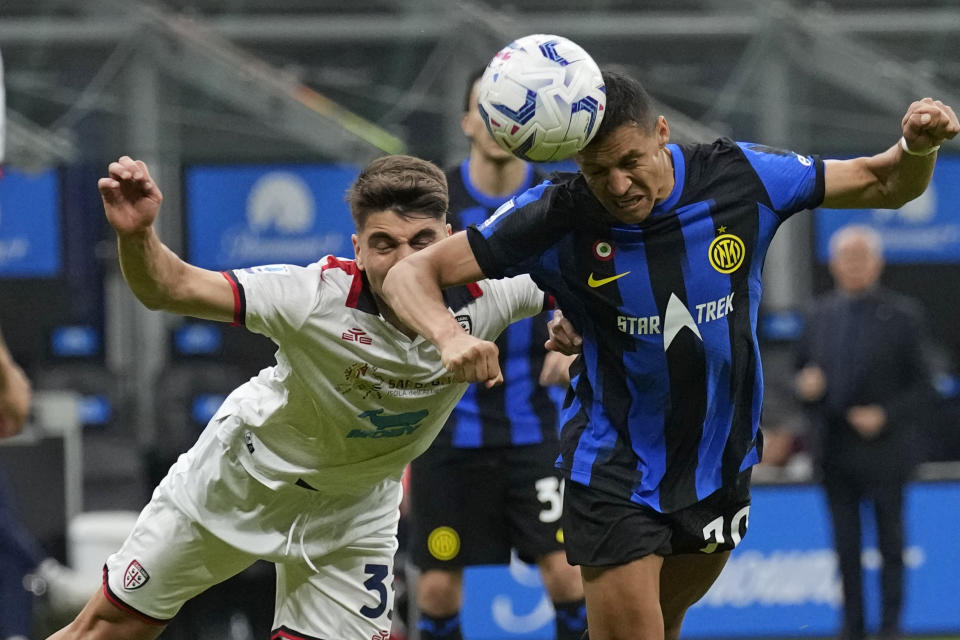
{"x":925,"y":152}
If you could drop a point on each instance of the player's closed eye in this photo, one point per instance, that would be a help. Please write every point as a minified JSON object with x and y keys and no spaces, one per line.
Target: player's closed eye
{"x":384,"y":246}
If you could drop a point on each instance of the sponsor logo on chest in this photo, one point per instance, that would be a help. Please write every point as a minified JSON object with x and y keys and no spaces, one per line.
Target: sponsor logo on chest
{"x":649,"y":325}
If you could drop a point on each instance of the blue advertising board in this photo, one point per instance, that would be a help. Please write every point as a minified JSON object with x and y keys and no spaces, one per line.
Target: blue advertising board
{"x":782,"y":580}
{"x":924,"y":230}
{"x":244,"y":216}
{"x":29,"y":224}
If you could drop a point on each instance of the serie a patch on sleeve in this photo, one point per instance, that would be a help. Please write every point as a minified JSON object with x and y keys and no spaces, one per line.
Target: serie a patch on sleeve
{"x":268,"y":268}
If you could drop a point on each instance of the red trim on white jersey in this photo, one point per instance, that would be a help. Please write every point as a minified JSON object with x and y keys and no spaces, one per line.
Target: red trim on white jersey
{"x":350,"y":266}
{"x":238,"y":310}
{"x":123,"y":606}
{"x":289,"y":634}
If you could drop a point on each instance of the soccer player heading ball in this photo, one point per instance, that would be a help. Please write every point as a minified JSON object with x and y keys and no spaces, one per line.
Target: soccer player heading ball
{"x":654,"y":251}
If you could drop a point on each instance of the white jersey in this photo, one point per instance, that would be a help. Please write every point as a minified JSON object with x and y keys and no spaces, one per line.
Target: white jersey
{"x":351,"y":399}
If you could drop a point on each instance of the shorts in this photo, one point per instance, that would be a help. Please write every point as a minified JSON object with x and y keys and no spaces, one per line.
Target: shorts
{"x":209,"y":519}
{"x":473,"y":506}
{"x":605,"y":530}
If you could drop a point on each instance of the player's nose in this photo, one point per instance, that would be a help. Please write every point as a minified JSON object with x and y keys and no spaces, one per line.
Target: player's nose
{"x":618,"y":182}
{"x":403,"y":250}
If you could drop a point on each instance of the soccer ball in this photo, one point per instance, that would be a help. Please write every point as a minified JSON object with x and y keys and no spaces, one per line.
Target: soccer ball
{"x":542,"y":98}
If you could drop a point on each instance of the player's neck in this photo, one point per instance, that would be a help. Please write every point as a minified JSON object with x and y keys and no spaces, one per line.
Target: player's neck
{"x":496,"y":178}
{"x":669,"y":179}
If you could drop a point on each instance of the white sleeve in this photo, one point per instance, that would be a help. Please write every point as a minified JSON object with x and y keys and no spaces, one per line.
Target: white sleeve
{"x":517,"y":297}
{"x":275,"y":299}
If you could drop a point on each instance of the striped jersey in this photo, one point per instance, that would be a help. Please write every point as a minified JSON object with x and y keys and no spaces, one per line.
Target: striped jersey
{"x":351,"y":399}
{"x":519,"y":411}
{"x":669,"y":386}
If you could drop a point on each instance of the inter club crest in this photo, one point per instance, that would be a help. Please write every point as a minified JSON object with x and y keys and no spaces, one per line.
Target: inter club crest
{"x":135,"y":576}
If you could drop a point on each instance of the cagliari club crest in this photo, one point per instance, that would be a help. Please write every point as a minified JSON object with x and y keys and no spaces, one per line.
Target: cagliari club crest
{"x":135,"y":576}
{"x":466,"y":322}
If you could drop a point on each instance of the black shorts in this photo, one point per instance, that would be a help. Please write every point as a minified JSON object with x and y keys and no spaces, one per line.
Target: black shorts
{"x":472,"y":506}
{"x":603,"y":530}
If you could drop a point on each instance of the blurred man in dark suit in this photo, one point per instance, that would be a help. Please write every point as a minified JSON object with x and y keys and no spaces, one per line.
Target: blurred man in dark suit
{"x":863,"y":374}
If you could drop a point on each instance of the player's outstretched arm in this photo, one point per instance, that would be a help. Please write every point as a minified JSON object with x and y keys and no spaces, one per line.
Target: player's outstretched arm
{"x":14,"y":394}
{"x":156,"y":275}
{"x":413,"y":287}
{"x":901,"y":173}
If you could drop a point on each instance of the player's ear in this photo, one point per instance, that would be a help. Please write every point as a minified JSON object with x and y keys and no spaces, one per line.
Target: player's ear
{"x":449,"y":229}
{"x":663,"y":131}
{"x":356,"y":251}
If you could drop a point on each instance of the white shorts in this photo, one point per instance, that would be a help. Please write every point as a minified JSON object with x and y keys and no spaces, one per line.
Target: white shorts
{"x":209,"y":519}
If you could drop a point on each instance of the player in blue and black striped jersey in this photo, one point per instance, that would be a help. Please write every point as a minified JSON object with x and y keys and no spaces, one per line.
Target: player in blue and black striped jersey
{"x":488,"y":484}
{"x":654,"y":252}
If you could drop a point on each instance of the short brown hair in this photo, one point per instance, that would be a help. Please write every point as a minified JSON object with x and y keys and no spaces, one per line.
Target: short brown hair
{"x":406,"y":185}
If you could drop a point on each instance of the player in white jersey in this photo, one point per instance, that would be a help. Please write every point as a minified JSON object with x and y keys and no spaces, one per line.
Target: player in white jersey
{"x":301,"y":465}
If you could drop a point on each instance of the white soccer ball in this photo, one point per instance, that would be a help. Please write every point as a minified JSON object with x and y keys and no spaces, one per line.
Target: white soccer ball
{"x":542,"y":98}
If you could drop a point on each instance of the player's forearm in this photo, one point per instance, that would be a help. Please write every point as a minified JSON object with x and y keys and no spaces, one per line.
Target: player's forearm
{"x":901,"y":177}
{"x":887,"y":180}
{"x":151,"y":269}
{"x":413,"y":292}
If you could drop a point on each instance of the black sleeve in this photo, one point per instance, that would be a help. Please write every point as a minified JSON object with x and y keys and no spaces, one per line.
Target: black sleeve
{"x":511,"y":241}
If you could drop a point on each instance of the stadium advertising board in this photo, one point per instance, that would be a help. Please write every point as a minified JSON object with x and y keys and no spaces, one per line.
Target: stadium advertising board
{"x":29,"y":224}
{"x":244,"y":216}
{"x":782,"y":580}
{"x":924,"y":230}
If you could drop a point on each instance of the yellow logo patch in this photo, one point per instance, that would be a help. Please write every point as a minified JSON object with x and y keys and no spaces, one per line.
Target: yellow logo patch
{"x":560,"y":535}
{"x":599,"y":282}
{"x":443,"y":543}
{"x":726,"y":253}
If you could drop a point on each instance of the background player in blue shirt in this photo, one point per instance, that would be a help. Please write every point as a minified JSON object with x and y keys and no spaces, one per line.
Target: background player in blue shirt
{"x":654,"y":252}
{"x":494,"y":458}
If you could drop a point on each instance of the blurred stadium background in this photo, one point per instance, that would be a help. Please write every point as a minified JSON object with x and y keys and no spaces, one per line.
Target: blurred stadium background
{"x":254,"y":115}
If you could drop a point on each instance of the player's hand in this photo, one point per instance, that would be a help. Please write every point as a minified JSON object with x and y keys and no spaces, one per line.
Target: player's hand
{"x":810,"y":383}
{"x":14,"y":400}
{"x":927,"y":123}
{"x":471,"y":359}
{"x":868,"y":420}
{"x":563,"y":337}
{"x":131,"y":199}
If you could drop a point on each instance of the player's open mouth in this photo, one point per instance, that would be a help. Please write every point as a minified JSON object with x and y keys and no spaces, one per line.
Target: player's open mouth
{"x":626,"y":204}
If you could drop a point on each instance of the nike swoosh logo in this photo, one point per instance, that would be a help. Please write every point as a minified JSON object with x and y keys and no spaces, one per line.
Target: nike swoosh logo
{"x":594,"y":282}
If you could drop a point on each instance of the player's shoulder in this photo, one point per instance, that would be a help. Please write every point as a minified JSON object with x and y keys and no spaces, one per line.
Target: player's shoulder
{"x":329,"y":272}
{"x":709,"y":157}
{"x":564,"y":194}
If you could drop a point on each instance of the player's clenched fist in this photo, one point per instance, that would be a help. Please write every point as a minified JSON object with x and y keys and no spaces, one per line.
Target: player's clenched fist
{"x":131,"y":199}
{"x":927,"y":123}
{"x":470,"y":359}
